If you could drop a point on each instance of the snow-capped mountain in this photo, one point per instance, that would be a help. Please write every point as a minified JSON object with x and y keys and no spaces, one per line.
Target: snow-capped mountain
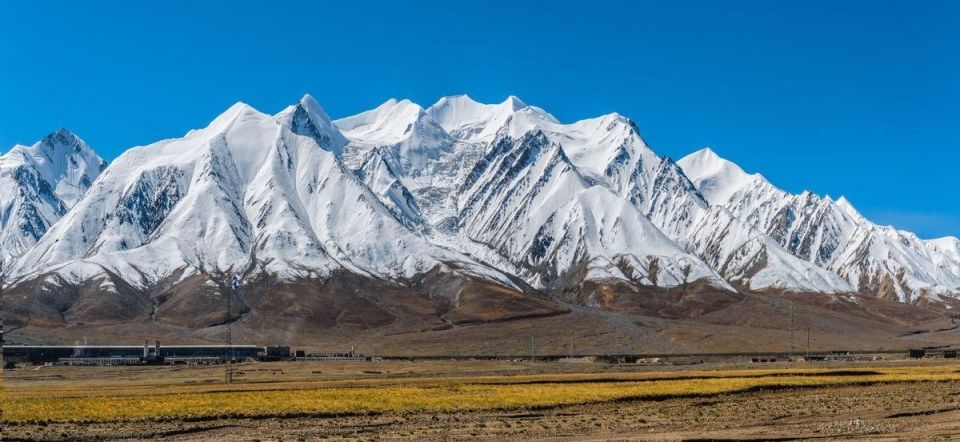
{"x":494,"y":207}
{"x":39,"y":184}
{"x":249,"y":192}
{"x":605,"y":152}
{"x":553,"y":236}
{"x":878,"y":260}
{"x":609,"y":152}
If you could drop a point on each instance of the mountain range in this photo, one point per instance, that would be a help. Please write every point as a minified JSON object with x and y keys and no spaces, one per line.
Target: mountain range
{"x":460,"y":212}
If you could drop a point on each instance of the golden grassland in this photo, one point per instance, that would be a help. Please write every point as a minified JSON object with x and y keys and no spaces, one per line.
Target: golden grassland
{"x":105,"y":403}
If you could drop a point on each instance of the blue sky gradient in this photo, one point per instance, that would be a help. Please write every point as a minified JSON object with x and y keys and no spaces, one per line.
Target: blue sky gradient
{"x":843,"y":98}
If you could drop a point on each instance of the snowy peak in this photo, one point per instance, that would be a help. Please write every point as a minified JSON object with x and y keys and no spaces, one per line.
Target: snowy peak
{"x":717,"y":179}
{"x":308,"y":118}
{"x":844,"y":204}
{"x":592,"y":143}
{"x":388,"y":123}
{"x":514,"y":103}
{"x":66,"y":162}
{"x":236,"y":111}
{"x":63,"y":143}
{"x":39,"y":184}
{"x":405,"y":127}
{"x":470,"y":121}
{"x":706,"y":162}
{"x":391,"y":123}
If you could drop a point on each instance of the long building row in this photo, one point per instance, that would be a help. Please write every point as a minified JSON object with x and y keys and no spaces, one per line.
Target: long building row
{"x":146,"y":353}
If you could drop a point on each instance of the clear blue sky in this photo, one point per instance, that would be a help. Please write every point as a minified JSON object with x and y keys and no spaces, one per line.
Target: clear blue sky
{"x":853,"y":98}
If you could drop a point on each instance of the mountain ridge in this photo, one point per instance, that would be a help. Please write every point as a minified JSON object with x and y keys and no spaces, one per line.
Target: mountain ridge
{"x":478,"y":211}
{"x":879,"y":260}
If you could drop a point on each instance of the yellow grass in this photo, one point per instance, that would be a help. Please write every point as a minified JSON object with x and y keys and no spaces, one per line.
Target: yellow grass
{"x":422,"y":395}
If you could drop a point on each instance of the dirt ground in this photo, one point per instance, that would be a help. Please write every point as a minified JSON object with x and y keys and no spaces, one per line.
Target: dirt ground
{"x":894,"y":411}
{"x":926,"y":411}
{"x":756,"y":323}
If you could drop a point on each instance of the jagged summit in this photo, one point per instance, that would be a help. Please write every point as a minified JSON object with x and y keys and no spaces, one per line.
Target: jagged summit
{"x":63,"y":160}
{"x":411,"y":137}
{"x":716,"y":178}
{"x":61,"y":143}
{"x":470,"y":121}
{"x":39,"y":184}
{"x":515,"y":103}
{"x":63,"y":137}
{"x":308,"y":118}
{"x":387,"y":124}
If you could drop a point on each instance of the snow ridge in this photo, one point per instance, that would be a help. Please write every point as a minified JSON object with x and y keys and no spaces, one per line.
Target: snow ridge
{"x":878,"y":260}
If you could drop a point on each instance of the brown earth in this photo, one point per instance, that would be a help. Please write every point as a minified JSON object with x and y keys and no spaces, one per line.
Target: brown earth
{"x":851,"y":413}
{"x":892,"y":411}
{"x":443,"y":315}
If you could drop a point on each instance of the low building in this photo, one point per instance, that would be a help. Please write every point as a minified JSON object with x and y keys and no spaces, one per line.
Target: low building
{"x":277,"y":351}
{"x":76,"y":354}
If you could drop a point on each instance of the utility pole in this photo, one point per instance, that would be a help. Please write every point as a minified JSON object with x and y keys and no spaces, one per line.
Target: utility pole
{"x":26,"y":322}
{"x":571,"y":347}
{"x":233,"y":286}
{"x":2,"y":362}
{"x":793,"y":334}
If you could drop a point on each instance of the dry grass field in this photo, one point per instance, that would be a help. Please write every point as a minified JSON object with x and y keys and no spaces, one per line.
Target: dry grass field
{"x":494,"y":399}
